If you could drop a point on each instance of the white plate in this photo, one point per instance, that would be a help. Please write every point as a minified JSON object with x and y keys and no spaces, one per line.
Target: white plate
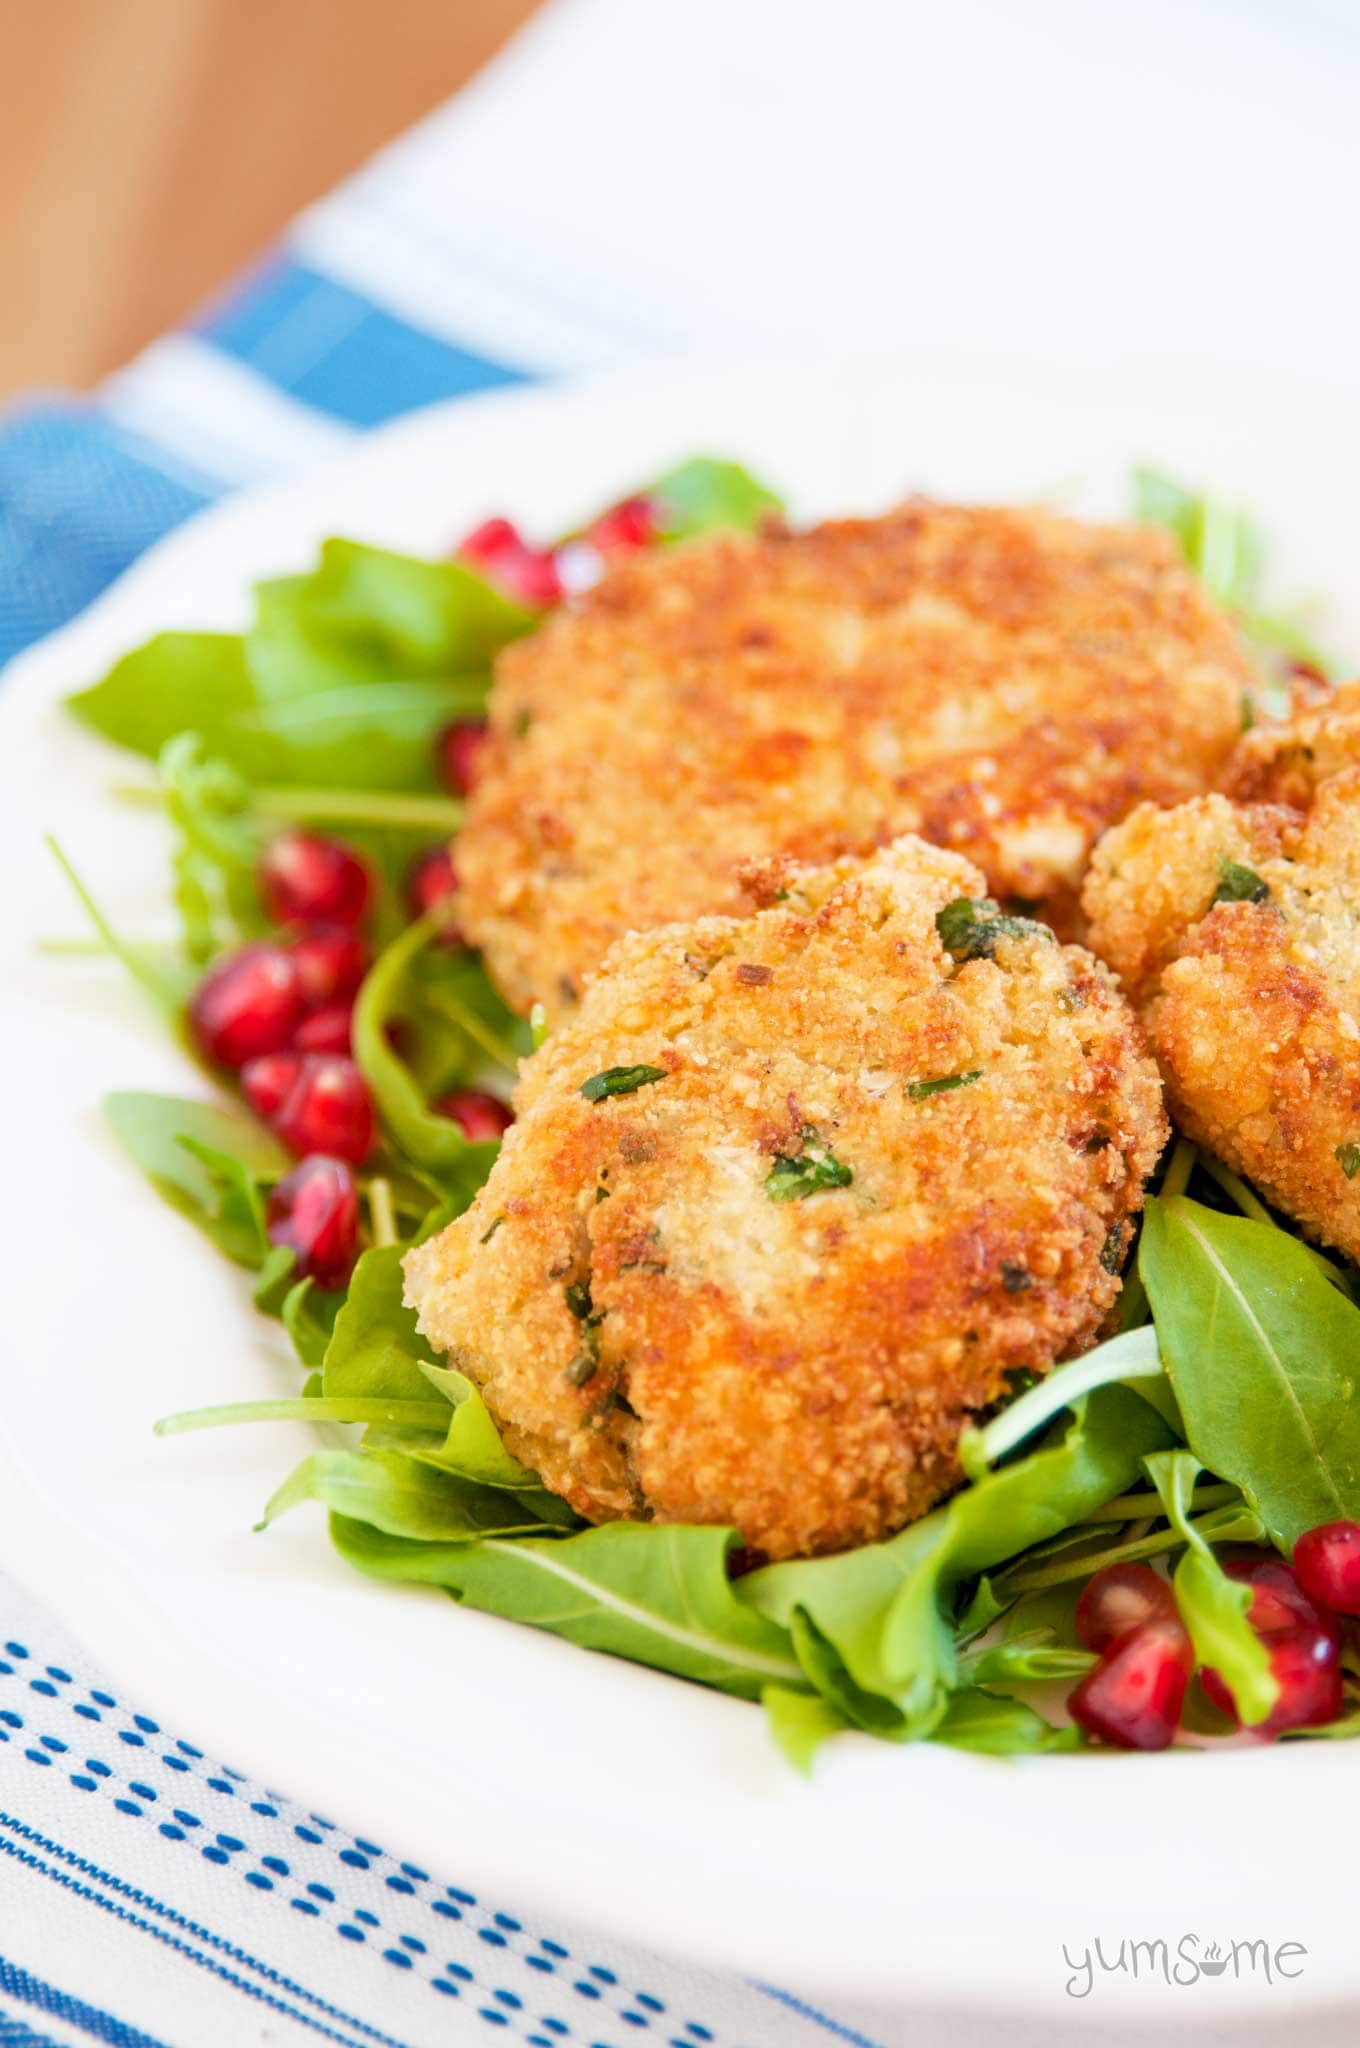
{"x":901,"y":1876}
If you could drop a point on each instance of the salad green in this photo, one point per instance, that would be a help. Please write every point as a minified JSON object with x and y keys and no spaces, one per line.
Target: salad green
{"x":1236,"y":1359}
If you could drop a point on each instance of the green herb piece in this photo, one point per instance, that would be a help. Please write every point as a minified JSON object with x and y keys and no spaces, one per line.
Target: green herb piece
{"x":1238,"y":884}
{"x":491,"y":1229}
{"x":577,"y":1294}
{"x":1213,"y":1606}
{"x":921,"y":1091}
{"x":658,"y":1595}
{"x":206,"y":1162}
{"x":1261,"y":1350}
{"x":812,"y":1171}
{"x":538,"y":1025}
{"x":620,"y":1081}
{"x":583,"y":1369}
{"x":971,"y":928}
{"x":1348,"y":1159}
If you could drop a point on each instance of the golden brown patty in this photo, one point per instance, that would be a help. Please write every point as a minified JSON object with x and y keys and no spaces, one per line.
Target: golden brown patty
{"x":1006,"y":683}
{"x":855,"y":1184}
{"x":1253,"y":1007}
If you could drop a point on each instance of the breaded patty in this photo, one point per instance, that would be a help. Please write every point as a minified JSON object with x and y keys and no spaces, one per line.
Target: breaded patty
{"x":1234,"y":925}
{"x":792,"y":1195}
{"x":1004,"y":682}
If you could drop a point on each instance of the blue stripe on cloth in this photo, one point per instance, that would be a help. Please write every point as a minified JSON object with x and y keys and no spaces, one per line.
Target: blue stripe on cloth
{"x":18,"y":1984}
{"x":79,"y":500}
{"x":16,"y":2033}
{"x":810,"y":2012}
{"x":361,"y":2033}
{"x":335,"y":350}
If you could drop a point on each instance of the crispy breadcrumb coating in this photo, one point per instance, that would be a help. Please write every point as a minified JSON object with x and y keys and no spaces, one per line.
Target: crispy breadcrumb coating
{"x":1004,"y":682}
{"x":1253,"y":1005}
{"x":792,"y":1195}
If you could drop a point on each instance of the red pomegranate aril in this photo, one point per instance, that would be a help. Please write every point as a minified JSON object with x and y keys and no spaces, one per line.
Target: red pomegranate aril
{"x":1278,"y":1602}
{"x":625,"y":527}
{"x":478,"y":1116}
{"x":305,"y":879}
{"x":1133,"y":1696}
{"x":327,"y":1030}
{"x":314,"y":1210}
{"x":459,"y":752}
{"x":1327,"y":1565}
{"x":430,"y":880}
{"x":331,"y":962}
{"x":1307,"y":1669}
{"x":499,"y":551}
{"x":248,"y":1004}
{"x":1117,"y":1599}
{"x":328,"y":1109}
{"x":268,"y":1081}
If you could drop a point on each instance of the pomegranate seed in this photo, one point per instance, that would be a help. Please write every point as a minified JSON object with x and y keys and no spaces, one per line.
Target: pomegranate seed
{"x":1278,"y":1602}
{"x":1306,"y":1668}
{"x":625,"y":527}
{"x":326,"y":1030}
{"x":430,"y":880}
{"x":1327,"y":1561}
{"x":478,"y":1116}
{"x":267,"y":1082}
{"x":503,"y":556}
{"x":306,"y":879}
{"x":1119,"y":1598}
{"x":1133,"y":1696}
{"x":331,"y":962}
{"x":328,"y":1109}
{"x":249,"y":1004}
{"x":459,"y":752}
{"x":314,"y":1210}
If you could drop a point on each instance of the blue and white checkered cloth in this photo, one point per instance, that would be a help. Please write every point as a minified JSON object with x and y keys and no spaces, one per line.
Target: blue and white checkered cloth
{"x":629,"y":182}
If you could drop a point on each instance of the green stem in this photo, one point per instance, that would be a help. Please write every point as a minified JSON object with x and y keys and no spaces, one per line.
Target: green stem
{"x":1251,"y":1205}
{"x":1130,"y":1507}
{"x":320,"y":1408}
{"x":474,"y":1027}
{"x":381,"y":1214}
{"x":1243,"y":1527}
{"x":1177,"y":1176}
{"x":403,"y":811}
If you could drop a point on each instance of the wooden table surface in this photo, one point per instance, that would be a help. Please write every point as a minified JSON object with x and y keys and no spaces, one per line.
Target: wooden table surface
{"x":150,"y":148}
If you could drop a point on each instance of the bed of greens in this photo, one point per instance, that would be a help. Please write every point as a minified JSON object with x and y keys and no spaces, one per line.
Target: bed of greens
{"x":1222,"y":1415}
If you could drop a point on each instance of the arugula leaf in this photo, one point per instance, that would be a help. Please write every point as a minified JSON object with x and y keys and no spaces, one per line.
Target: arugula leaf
{"x":401,"y":1496}
{"x":213,"y":863}
{"x":1261,"y":1350}
{"x":393,"y":614}
{"x":473,"y":1448}
{"x":620,"y":1081}
{"x":1213,"y":1606}
{"x":885,"y":1609}
{"x":177,"y":682}
{"x":703,"y":495}
{"x":992,"y":1725}
{"x":800,"y":1723}
{"x":657,"y":1595}
{"x":431,"y":1142}
{"x":376,"y":1350}
{"x":1032,"y":1658}
{"x":206,"y":1162}
{"x":1132,"y":1355}
{"x":812,"y":1172}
